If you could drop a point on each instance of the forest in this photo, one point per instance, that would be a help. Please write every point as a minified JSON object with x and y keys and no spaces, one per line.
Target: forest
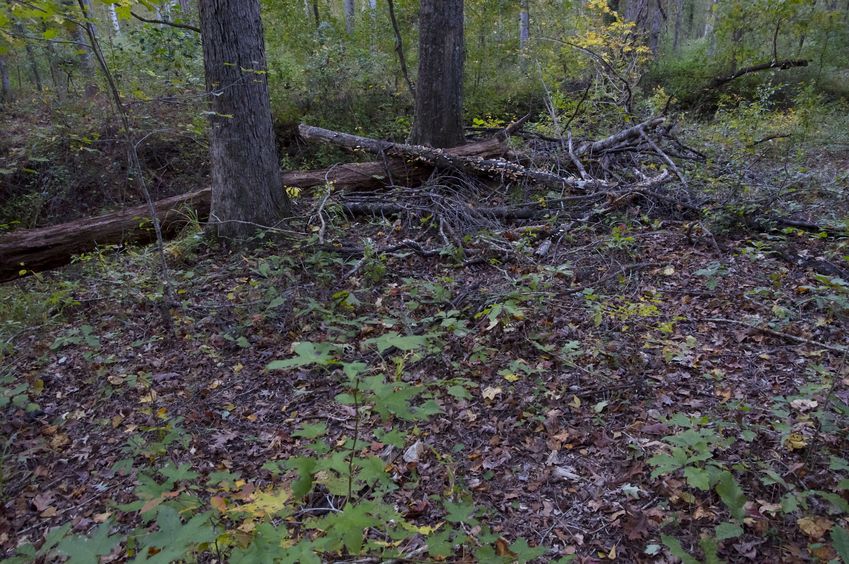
{"x":366,"y":281}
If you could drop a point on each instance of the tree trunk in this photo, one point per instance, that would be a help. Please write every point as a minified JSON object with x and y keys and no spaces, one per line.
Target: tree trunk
{"x":113,"y":17}
{"x":679,"y":15}
{"x":439,"y":87}
{"x":524,"y":25}
{"x":246,"y":186}
{"x":349,"y":16}
{"x":5,"y":85}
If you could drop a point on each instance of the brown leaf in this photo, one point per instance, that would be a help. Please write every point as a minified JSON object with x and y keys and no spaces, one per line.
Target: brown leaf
{"x":815,"y":526}
{"x":502,"y":548}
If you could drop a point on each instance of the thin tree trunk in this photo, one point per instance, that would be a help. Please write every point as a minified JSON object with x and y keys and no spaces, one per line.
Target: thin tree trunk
{"x":710,"y":22}
{"x":439,"y":93}
{"x":399,"y":49}
{"x":679,"y":14}
{"x":524,"y":25}
{"x":31,"y":58}
{"x":5,"y":85}
{"x":350,"y":10}
{"x":113,"y":17}
{"x":247,"y":192}
{"x":315,"y":13}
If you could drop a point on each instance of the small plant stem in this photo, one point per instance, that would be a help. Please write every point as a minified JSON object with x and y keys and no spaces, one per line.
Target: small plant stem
{"x":356,"y":434}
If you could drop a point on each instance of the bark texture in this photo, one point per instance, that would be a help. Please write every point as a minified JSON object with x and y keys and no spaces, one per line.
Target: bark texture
{"x":439,"y":87}
{"x":246,"y":186}
{"x":34,"y":250}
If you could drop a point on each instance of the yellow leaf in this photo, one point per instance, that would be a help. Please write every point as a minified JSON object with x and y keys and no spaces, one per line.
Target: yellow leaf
{"x":576,"y":402}
{"x":265,"y":504}
{"x":149,"y":397}
{"x":511,"y":377}
{"x":218,"y":503}
{"x":795,"y":442}
{"x":612,"y":554}
{"x":815,"y":527}
{"x":423,"y":530}
{"x":238,"y":367}
{"x":668,"y":271}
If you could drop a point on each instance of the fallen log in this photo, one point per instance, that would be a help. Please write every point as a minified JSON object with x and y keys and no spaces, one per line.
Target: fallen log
{"x":459,"y":159}
{"x":31,"y":250}
{"x":25,"y":251}
{"x":771,"y":65}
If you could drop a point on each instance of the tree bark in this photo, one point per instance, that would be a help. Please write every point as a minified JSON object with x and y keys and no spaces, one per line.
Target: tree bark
{"x":113,"y":17}
{"x":33,"y":250}
{"x":5,"y":84}
{"x":246,"y":184}
{"x":439,"y":88}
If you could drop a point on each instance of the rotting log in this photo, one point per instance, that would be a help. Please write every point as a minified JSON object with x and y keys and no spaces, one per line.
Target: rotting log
{"x":33,"y":250}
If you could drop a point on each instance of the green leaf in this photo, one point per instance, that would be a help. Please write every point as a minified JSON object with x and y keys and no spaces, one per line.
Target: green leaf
{"x":710,"y":550}
{"x":731,"y":494}
{"x":459,"y":512}
{"x":347,"y":526}
{"x":675,"y":548}
{"x":839,"y":505}
{"x":668,"y":463}
{"x":840,"y":540}
{"x":728,"y":530}
{"x":174,"y":539}
{"x":311,"y":430}
{"x":836,"y":463}
{"x":439,"y":545}
{"x":306,"y":468}
{"x":459,"y":392}
{"x":306,"y":354}
{"x":400,"y":342}
{"x":697,"y":477}
{"x":88,"y":550}
{"x":180,"y":473}
{"x":524,"y":552}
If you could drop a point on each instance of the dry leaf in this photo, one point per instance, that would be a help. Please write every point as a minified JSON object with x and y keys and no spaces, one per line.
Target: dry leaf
{"x":491,"y":392}
{"x":795,"y":441}
{"x":815,"y":527}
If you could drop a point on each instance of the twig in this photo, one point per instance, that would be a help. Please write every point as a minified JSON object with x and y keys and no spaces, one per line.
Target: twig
{"x":664,"y":156}
{"x":165,"y":22}
{"x":780,"y":334}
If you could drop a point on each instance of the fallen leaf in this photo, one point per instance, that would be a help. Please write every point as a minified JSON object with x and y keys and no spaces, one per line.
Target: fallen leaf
{"x":491,"y":392}
{"x":414,"y":452}
{"x":815,"y":526}
{"x":795,"y":441}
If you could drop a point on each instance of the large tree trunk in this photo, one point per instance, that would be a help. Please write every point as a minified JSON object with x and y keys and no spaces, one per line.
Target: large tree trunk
{"x":246,"y":185}
{"x":439,"y":87}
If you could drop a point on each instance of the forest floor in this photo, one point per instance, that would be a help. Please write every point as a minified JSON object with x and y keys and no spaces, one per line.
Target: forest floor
{"x":632,"y":388}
